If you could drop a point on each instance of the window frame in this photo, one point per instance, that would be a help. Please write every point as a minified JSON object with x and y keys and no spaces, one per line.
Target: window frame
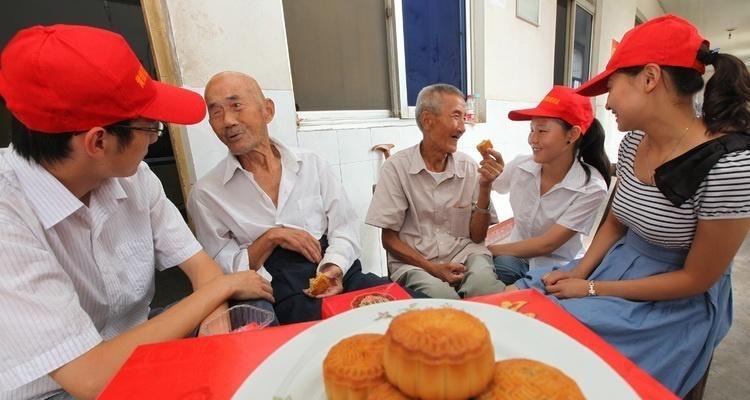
{"x":395,"y":44}
{"x":405,"y":111}
{"x":589,"y":7}
{"x":639,"y":17}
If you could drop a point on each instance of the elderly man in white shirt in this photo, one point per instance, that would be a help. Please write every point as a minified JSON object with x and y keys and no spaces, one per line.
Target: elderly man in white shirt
{"x":273,"y":209}
{"x":83,"y":222}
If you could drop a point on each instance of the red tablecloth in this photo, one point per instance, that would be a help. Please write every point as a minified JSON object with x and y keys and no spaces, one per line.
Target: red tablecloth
{"x":214,"y":367}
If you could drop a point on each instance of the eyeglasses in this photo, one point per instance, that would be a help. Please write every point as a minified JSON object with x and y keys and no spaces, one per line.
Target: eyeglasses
{"x":158,"y":129}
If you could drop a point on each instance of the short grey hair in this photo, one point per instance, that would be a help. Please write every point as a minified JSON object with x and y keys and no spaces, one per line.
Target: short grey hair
{"x":430,"y":99}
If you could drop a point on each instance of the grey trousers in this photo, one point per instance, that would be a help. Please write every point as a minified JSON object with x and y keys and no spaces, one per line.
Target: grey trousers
{"x":480,"y":279}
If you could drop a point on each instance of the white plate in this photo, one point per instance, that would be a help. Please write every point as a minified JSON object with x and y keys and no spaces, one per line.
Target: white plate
{"x":295,"y":370}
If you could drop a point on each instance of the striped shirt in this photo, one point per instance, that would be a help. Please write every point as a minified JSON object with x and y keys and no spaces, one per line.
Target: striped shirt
{"x":73,"y":276}
{"x":723,"y":194}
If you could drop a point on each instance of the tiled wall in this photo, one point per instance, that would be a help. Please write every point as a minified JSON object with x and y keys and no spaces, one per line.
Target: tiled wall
{"x":348,"y":151}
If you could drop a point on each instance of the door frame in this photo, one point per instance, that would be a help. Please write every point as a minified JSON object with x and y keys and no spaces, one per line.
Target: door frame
{"x":159,"y":32}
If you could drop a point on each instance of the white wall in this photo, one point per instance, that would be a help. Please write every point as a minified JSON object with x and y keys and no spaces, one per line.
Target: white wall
{"x":348,"y":151}
{"x":613,"y":19}
{"x":518,"y":55}
{"x":650,"y":8}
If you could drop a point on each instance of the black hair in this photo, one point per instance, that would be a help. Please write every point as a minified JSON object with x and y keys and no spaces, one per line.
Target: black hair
{"x":726,"y":99}
{"x":51,"y":148}
{"x":590,"y":150}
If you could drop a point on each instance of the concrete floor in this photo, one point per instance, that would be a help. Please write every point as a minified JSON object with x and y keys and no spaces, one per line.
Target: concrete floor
{"x":729,"y":377}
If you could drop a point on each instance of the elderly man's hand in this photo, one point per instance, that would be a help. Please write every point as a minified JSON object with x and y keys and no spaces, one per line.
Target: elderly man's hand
{"x":491,"y":167}
{"x":336,"y":276}
{"x":453,"y":273}
{"x":300,"y":242}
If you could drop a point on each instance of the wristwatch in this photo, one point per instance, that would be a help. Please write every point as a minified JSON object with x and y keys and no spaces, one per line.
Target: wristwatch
{"x":592,"y":288}
{"x":475,"y":207}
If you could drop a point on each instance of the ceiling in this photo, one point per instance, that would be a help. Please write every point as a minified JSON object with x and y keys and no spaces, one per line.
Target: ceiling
{"x":713,"y":18}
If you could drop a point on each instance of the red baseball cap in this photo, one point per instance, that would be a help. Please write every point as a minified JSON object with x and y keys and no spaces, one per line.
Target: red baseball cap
{"x":68,"y":78}
{"x":561,"y":102}
{"x":667,"y":40}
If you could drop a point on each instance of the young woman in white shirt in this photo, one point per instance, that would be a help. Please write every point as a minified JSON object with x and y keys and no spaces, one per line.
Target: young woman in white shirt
{"x":556,"y":191}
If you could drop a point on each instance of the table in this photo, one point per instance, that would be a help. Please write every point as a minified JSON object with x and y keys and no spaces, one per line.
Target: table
{"x":214,"y":367}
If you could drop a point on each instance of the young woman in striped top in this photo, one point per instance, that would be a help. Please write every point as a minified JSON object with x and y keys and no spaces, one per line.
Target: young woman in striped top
{"x":655,"y":281}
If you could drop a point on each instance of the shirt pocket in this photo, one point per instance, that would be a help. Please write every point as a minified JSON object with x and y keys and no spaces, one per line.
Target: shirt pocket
{"x":313,"y":215}
{"x":137,"y":257}
{"x":460,"y":219}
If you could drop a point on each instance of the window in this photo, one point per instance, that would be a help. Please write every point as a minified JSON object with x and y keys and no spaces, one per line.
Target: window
{"x":573,"y":46}
{"x":584,"y":22}
{"x":338,"y":54}
{"x":435,"y":45}
{"x":370,"y":58}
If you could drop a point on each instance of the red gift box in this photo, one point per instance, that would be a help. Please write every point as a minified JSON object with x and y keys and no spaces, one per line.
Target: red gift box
{"x":334,"y":305}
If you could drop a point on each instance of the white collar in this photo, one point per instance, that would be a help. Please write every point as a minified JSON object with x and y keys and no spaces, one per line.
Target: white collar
{"x":575,"y":178}
{"x":417,"y":163}
{"x":289,"y":160}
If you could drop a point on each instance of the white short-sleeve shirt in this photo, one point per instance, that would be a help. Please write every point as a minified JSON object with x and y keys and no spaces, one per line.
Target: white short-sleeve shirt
{"x":73,"y":276}
{"x":572,"y":203}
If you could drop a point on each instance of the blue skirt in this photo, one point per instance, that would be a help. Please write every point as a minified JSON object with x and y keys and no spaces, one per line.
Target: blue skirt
{"x":672,"y":340}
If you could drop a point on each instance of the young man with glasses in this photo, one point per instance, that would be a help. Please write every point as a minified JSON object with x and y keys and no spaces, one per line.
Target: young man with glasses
{"x":84,"y":222}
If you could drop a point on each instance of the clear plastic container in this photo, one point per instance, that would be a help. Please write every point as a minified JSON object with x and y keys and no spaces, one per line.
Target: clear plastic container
{"x":240,"y":318}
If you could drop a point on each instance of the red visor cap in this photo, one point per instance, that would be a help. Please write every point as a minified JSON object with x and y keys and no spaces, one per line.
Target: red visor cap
{"x":667,"y":40}
{"x":69,"y":78}
{"x":563,"y":103}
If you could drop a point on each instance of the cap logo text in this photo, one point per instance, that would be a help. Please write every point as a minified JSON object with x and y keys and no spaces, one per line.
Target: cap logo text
{"x":141,"y":77}
{"x":553,"y":100}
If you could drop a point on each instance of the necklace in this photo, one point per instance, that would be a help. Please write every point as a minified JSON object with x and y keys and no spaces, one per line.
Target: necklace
{"x":652,"y":171}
